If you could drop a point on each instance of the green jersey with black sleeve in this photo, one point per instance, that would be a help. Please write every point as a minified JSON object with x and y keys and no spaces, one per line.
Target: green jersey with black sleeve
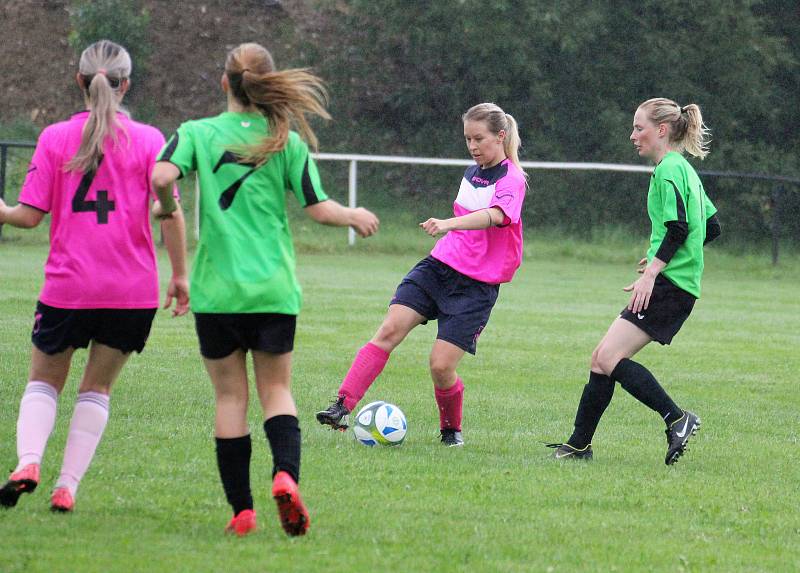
{"x":245,"y":261}
{"x":676,"y":194}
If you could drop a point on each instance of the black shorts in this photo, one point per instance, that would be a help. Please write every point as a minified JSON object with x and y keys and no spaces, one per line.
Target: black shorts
{"x":461,"y":304}
{"x":669,"y":308}
{"x":56,"y":329}
{"x":220,"y":334}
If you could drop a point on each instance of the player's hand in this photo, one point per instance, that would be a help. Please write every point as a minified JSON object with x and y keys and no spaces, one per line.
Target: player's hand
{"x":364,"y":222}
{"x":178,"y":290}
{"x":3,"y":207}
{"x":640,"y":291}
{"x":158,"y":211}
{"x":435,"y":227}
{"x":642,"y":265}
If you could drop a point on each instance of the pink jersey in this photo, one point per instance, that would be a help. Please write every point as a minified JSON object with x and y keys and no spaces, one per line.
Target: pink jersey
{"x":101,"y":246}
{"x":489,"y":255}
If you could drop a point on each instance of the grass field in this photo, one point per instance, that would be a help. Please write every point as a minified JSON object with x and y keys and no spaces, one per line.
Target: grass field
{"x":152,"y":500}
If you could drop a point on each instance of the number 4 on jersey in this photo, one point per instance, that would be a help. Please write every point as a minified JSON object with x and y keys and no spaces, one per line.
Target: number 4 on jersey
{"x":102,"y":206}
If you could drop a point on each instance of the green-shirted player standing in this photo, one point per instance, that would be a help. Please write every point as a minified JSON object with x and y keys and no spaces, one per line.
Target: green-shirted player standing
{"x":244,"y":292}
{"x":683,"y":220}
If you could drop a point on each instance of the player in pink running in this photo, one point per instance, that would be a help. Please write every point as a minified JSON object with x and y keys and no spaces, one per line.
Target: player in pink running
{"x":459,"y":282}
{"x":91,"y":173}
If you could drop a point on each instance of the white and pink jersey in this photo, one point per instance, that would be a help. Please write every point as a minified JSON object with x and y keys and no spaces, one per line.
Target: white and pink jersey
{"x":101,"y":245}
{"x":489,"y":255}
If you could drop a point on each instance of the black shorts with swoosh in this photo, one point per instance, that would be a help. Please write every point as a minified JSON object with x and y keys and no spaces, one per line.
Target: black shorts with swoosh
{"x":669,"y":308}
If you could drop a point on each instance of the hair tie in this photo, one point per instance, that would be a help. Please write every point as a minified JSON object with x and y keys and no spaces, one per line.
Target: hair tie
{"x":102,"y":71}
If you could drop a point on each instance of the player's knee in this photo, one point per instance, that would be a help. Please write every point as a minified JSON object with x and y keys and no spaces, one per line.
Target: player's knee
{"x":388,"y":336}
{"x":230,"y":392}
{"x":441,"y":371}
{"x":593,"y":363}
{"x":604,"y":360}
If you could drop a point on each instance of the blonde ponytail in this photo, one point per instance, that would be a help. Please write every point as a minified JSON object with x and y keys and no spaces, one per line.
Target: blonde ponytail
{"x":512,"y":142}
{"x":284,"y":98}
{"x":103,"y":67}
{"x":696,"y":139}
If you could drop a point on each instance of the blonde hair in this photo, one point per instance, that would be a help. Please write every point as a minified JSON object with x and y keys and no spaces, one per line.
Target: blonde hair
{"x":283,"y":97}
{"x":103,"y":67}
{"x":686,"y":128}
{"x":497,"y":120}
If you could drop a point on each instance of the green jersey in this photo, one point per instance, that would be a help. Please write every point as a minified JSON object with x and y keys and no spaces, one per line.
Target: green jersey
{"x":245,"y":261}
{"x":676,"y":194}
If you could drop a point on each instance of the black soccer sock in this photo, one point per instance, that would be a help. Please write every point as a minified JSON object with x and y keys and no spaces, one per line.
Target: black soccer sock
{"x":233,"y":459}
{"x":596,"y":396}
{"x":642,"y":385}
{"x":283,"y":435}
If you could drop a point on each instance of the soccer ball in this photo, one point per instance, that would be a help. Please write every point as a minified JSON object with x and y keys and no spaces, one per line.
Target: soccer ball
{"x":379,"y":423}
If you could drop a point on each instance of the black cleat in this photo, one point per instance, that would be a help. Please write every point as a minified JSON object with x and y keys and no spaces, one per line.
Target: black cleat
{"x":335,"y":416}
{"x":451,"y":438}
{"x":678,"y":434}
{"x":565,"y":451}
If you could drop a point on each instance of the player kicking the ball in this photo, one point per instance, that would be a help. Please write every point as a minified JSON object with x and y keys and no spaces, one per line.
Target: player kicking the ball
{"x":246,"y":294}
{"x":683,"y":220}
{"x":459,"y":282}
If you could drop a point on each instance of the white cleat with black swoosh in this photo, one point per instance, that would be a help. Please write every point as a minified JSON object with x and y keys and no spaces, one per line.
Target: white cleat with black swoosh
{"x":565,"y":451}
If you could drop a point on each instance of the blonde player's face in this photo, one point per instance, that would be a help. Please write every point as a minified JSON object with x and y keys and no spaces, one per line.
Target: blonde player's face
{"x":485,"y":147}
{"x":647,"y":137}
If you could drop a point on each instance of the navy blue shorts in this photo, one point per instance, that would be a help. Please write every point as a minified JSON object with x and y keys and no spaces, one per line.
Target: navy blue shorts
{"x":220,"y":334}
{"x":461,"y":304}
{"x":56,"y":329}
{"x":669,"y":308}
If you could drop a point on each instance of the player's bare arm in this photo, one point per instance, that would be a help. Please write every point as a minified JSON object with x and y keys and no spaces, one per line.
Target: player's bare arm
{"x":482,"y":219}
{"x":21,"y":216}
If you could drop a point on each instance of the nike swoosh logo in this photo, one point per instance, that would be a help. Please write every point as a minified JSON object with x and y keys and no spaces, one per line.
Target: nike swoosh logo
{"x":639,"y":316}
{"x":682,"y":433}
{"x":558,"y":457}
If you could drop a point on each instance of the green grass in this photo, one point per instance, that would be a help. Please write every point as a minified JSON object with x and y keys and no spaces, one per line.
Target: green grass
{"x":152,"y":500}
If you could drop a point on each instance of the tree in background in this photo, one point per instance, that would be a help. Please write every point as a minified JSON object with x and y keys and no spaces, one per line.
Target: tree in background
{"x":573,"y":73}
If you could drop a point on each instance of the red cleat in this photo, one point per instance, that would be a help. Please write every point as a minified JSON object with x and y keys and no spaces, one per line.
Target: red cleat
{"x":19,"y":482}
{"x":293,"y":514}
{"x":62,"y":500}
{"x":242,"y":523}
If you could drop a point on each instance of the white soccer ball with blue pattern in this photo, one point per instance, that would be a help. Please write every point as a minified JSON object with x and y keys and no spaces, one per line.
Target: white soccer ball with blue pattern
{"x":380,"y":424}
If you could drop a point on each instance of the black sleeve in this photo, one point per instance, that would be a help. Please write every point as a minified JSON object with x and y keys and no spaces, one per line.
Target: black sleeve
{"x":713,"y":229}
{"x":677,"y":231}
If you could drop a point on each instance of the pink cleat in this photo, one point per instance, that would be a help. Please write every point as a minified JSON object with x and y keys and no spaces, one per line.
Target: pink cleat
{"x":19,"y":482}
{"x":242,"y":523}
{"x":62,"y":500}
{"x":293,"y":514}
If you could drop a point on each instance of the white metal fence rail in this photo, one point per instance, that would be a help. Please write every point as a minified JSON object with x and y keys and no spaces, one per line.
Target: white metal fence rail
{"x":354,"y":159}
{"x":780,"y":182}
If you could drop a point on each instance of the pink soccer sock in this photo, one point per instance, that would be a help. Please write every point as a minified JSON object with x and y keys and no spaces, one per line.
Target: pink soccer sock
{"x":366,"y":367}
{"x":450,"y":402}
{"x":88,"y":422}
{"x":37,"y":416}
